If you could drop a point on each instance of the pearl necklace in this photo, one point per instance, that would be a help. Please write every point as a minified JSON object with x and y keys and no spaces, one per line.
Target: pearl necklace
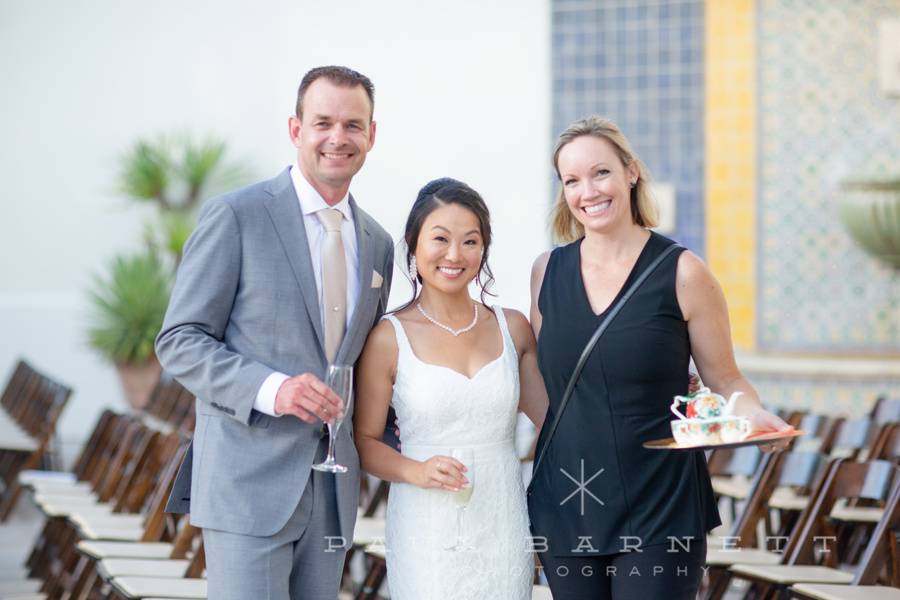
{"x":454,"y":332}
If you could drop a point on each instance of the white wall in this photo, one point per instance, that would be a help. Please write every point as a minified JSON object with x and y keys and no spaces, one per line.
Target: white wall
{"x":462,"y":89}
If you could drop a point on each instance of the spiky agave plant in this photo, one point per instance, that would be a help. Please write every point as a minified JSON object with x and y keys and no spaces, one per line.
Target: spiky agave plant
{"x":128,"y":307}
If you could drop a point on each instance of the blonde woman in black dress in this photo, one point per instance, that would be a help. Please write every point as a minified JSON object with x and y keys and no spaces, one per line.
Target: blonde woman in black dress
{"x":616,"y":520}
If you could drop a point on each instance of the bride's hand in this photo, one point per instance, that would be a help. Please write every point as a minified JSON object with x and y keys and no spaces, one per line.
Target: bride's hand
{"x":441,"y":472}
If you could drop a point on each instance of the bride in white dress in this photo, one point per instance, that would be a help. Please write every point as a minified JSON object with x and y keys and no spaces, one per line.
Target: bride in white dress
{"x":456,"y":373}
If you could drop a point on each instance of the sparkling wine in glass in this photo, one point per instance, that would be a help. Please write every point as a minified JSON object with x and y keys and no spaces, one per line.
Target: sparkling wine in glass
{"x":461,"y":498}
{"x":340,"y":380}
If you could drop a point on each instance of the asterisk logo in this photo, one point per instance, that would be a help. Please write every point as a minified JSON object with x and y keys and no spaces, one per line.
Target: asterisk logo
{"x":581,"y":487}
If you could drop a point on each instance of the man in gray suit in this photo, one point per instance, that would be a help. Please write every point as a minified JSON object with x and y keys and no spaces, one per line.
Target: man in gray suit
{"x":278,"y":280}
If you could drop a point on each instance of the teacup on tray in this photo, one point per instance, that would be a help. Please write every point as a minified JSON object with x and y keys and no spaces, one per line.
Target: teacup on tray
{"x":716,"y":430}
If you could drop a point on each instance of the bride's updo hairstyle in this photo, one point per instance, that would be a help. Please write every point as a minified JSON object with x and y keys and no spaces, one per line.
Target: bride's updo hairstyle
{"x":441,"y":192}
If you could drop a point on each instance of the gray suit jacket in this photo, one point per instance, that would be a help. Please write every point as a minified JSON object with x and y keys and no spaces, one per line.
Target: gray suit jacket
{"x":245,"y":304}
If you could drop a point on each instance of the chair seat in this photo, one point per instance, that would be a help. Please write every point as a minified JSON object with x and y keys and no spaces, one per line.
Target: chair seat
{"x":58,"y":486}
{"x":114,"y":534}
{"x":14,"y":442}
{"x":149,"y":587}
{"x":157,"y":424}
{"x":123,"y":567}
{"x":377,"y":550}
{"x":718,"y":557}
{"x":846,"y":592}
{"x":101,"y":550}
{"x":733,"y":487}
{"x":541,"y":592}
{"x":98,"y":520}
{"x":66,"y":509}
{"x":368,"y":531}
{"x":33,"y":477}
{"x":857,"y":514}
{"x":67,"y":495}
{"x":793,"y":573}
{"x":787,"y":499}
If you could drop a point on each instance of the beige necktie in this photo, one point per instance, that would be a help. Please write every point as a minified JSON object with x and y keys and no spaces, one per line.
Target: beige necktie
{"x":334,"y":281}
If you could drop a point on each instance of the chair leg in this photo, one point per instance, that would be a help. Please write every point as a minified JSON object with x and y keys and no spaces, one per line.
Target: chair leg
{"x":373,"y":580}
{"x":83,"y":577}
{"x":719,"y":581}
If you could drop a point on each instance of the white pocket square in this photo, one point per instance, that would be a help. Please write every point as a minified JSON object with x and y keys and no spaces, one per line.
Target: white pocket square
{"x":377,"y":279}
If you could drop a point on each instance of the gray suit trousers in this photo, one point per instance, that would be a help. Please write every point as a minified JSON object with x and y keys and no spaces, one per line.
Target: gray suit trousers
{"x":302,"y":561}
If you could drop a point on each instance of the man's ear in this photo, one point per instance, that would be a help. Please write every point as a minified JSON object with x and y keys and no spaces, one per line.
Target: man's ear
{"x":294,"y":130}
{"x":372,"y":134}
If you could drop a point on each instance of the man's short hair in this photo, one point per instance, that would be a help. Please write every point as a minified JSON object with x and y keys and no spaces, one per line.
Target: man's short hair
{"x":337,"y":75}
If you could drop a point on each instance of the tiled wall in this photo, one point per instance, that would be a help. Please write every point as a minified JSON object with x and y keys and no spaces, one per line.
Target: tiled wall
{"x":835,"y":396}
{"x":754,"y":110}
{"x":822,"y":119}
{"x":640,"y":63}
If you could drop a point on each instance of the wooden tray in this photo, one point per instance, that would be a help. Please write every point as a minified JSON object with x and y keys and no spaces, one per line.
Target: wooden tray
{"x":753,"y":440}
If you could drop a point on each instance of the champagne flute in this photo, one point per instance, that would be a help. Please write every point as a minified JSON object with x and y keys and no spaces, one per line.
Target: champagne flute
{"x":461,"y":498}
{"x":340,"y":380}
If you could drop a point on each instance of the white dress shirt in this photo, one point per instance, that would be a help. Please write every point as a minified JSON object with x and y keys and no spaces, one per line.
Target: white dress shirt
{"x":310,"y":203}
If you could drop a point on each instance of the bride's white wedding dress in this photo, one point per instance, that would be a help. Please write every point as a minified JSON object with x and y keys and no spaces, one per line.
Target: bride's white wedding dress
{"x":440,"y":410}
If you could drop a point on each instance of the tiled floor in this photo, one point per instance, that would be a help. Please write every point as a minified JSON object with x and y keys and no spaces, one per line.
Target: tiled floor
{"x":17,"y":536}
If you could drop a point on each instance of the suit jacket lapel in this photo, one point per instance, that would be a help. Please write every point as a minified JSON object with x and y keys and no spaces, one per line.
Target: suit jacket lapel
{"x":366,"y":253}
{"x":284,"y":210}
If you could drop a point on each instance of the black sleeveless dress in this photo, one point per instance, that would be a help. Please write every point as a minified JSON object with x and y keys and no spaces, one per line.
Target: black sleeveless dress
{"x":598,"y":489}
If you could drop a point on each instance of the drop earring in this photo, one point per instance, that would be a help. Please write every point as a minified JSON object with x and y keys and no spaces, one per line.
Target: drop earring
{"x":413,"y":271}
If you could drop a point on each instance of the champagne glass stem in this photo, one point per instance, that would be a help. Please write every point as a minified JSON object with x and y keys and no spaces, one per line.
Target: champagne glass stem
{"x":459,"y":525}
{"x":330,"y":457}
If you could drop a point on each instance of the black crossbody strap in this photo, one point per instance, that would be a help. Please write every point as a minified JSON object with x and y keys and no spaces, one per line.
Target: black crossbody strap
{"x":590,"y":347}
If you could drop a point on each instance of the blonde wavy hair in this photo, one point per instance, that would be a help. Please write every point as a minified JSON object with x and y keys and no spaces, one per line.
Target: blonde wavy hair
{"x":565,"y":227}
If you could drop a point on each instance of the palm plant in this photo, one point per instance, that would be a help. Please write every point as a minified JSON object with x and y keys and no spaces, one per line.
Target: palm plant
{"x":129,"y":307}
{"x":177,"y":173}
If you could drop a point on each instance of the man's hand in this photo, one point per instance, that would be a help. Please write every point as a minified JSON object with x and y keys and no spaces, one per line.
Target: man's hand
{"x":308,"y":398}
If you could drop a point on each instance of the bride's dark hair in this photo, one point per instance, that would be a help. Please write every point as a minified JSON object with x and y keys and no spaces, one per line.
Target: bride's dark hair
{"x":441,"y":192}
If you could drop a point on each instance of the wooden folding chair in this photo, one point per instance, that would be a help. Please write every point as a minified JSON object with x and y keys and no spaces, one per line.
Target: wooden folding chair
{"x":779,"y":470}
{"x":145,"y":484}
{"x":809,"y":558}
{"x":886,"y":410}
{"x":880,"y":552}
{"x":31,"y":406}
{"x":731,"y":472}
{"x":369,"y":530}
{"x":851,"y":438}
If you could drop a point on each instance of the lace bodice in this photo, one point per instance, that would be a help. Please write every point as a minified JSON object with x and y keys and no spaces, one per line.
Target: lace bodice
{"x":437,"y":405}
{"x":439,"y":409}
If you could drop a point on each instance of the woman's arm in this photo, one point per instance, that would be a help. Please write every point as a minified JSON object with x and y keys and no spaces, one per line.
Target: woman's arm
{"x":704,"y":308}
{"x":532,"y":393}
{"x":375,"y":375}
{"x":537,"y":280}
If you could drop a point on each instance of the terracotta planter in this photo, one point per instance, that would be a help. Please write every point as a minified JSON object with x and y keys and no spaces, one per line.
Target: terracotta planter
{"x":871,"y":213}
{"x":138,"y":381}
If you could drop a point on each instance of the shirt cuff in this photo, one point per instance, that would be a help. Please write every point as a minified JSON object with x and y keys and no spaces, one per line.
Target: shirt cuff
{"x":265,"y":397}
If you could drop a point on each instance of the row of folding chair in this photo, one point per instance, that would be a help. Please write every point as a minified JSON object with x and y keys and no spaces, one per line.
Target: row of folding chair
{"x":29,"y":409}
{"x":111,"y":514}
{"x":835,"y":437}
{"x":107,"y":515}
{"x":170,"y":406}
{"x":771,"y":494}
{"x":816,"y":549}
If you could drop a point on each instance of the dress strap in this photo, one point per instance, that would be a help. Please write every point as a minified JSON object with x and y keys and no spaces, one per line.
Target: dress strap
{"x":504,"y":330}
{"x":403,"y":344}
